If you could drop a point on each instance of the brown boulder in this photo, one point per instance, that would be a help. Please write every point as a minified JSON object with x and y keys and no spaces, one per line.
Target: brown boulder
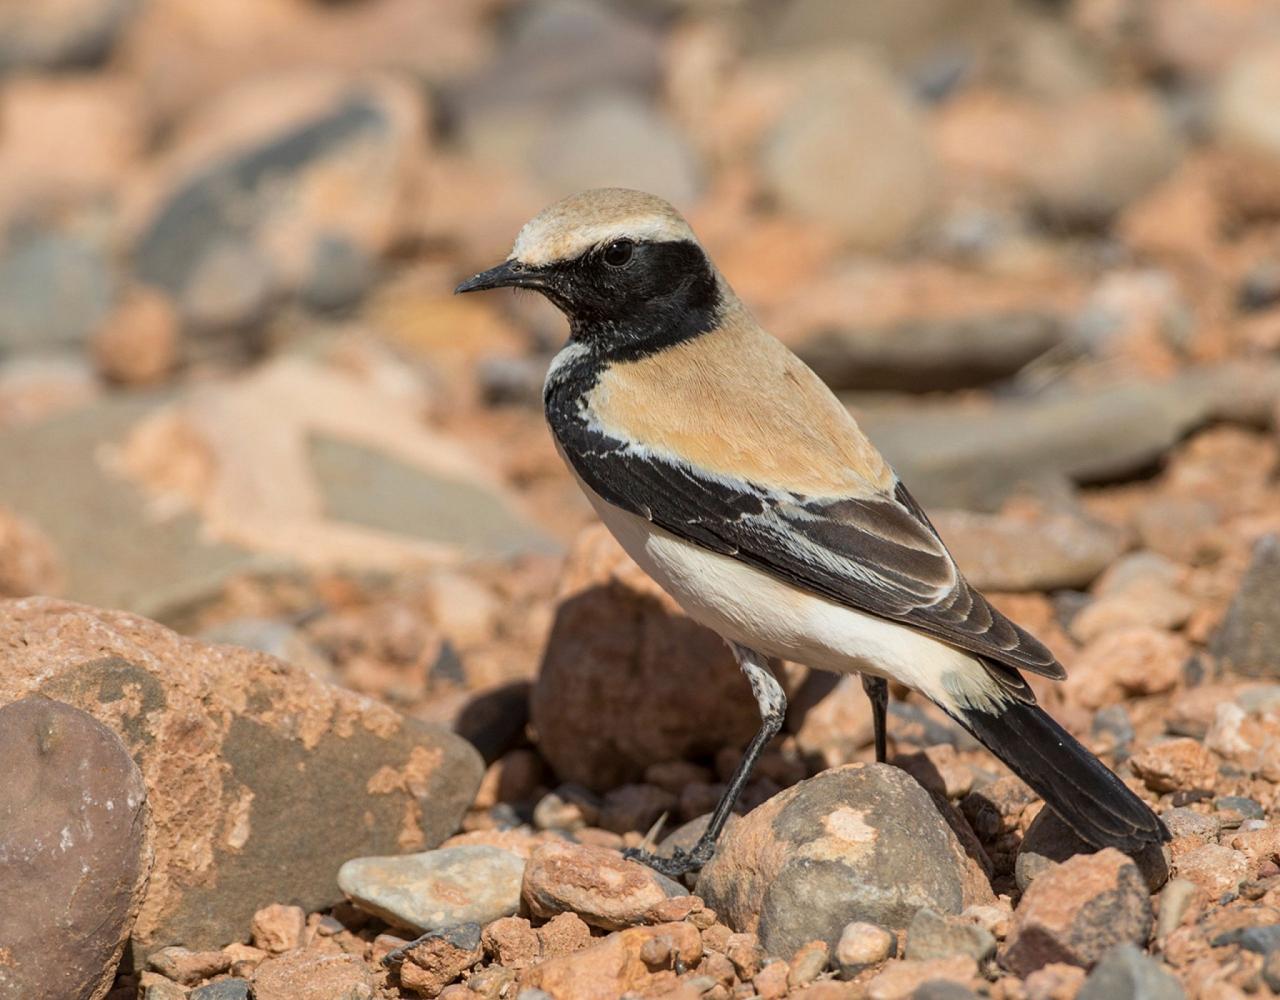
{"x":627,"y":680}
{"x":261,"y":779}
{"x":639,"y":959}
{"x":73,"y":839}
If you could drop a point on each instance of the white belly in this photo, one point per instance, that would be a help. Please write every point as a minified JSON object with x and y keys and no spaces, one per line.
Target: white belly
{"x":752,"y":608}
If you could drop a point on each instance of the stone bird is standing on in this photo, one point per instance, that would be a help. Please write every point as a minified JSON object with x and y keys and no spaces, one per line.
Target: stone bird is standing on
{"x":738,"y":481}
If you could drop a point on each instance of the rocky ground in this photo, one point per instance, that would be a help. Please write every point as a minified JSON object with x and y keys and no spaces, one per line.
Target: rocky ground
{"x":376,"y":674}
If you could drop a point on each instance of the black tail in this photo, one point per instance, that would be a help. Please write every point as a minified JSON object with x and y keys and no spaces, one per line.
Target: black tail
{"x":1091,"y":800}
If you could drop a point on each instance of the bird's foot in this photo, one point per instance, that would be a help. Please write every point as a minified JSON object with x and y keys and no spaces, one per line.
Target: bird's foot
{"x":680,"y":862}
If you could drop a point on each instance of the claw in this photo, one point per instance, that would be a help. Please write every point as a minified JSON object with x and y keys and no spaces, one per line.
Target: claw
{"x":678,"y":864}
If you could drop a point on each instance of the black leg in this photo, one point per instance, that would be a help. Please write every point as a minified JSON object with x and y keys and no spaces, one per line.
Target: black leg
{"x":772,"y":702}
{"x":877,"y":689}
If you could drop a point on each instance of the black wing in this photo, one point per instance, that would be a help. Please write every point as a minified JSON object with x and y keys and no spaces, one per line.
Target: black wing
{"x":878,"y":555}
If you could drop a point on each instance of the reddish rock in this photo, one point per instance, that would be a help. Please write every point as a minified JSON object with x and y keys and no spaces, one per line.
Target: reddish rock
{"x":614,"y":966}
{"x":1125,"y":662}
{"x":771,"y":981}
{"x":75,"y":850}
{"x":1214,"y":868}
{"x":512,"y":942}
{"x":431,"y":964}
{"x":563,"y":935}
{"x":139,"y":341}
{"x":261,"y":779}
{"x":835,"y":724}
{"x":599,"y":885}
{"x":901,"y":980}
{"x":1180,"y":763}
{"x":277,"y":928}
{"x":826,"y":851}
{"x":188,"y":967}
{"x":1055,"y":981}
{"x":807,"y":964}
{"x":1076,"y":912}
{"x":613,"y":693}
{"x":308,"y":975}
{"x":29,"y":563}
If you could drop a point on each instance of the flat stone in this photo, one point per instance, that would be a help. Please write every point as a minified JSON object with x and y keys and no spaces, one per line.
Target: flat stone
{"x":1125,"y":973}
{"x":829,"y":851}
{"x":960,"y":455}
{"x":260,"y":778}
{"x":54,"y":290}
{"x":308,"y":975}
{"x":931,"y":355}
{"x":436,"y":890}
{"x":597,"y":884}
{"x":142,"y":564}
{"x":75,"y":838}
{"x":1248,"y":640}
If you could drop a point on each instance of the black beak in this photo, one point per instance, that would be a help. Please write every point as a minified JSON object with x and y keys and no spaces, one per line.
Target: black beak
{"x":508,"y":274}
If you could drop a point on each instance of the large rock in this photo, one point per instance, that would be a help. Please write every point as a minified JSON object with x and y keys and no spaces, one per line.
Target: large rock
{"x":627,"y":680}
{"x":278,"y":172}
{"x":851,"y":151}
{"x":74,"y":840}
{"x":261,"y":779}
{"x":1075,"y":913}
{"x":1249,"y":639}
{"x":862,"y":842}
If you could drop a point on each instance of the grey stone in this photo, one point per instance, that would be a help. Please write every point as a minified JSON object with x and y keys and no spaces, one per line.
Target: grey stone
{"x":1248,"y":640}
{"x":436,"y":890}
{"x":208,"y":242}
{"x":1184,"y":822}
{"x":931,"y":355}
{"x":1248,"y":808}
{"x":1049,"y":841}
{"x":74,"y":839}
{"x":851,"y":150}
{"x":338,"y":276}
{"x":614,"y":140}
{"x":1125,"y":973}
{"x":54,"y":292}
{"x":930,"y":935}
{"x":233,"y":988}
{"x":114,"y":553}
{"x":1261,"y":940}
{"x":556,"y":52}
{"x":856,"y":843}
{"x":956,"y":455}
{"x":275,"y":638}
{"x":942,"y":989}
{"x":63,"y":34}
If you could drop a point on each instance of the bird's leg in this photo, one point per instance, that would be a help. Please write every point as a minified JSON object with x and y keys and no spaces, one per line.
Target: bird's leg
{"x":772,"y":702}
{"x":877,"y":689}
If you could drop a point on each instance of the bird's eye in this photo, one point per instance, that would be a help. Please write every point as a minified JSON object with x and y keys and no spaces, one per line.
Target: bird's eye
{"x":618,"y":253}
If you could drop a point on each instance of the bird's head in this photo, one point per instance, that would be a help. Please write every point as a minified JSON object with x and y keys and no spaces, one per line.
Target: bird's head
{"x":622,"y":265}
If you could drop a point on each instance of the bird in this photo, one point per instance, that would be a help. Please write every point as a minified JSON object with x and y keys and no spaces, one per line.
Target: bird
{"x":739,"y":482}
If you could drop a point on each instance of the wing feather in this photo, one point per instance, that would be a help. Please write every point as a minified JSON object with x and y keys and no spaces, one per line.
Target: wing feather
{"x":878,"y":555}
